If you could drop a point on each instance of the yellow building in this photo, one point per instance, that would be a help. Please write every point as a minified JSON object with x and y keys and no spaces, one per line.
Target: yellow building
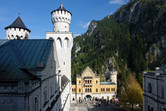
{"x":89,"y":85}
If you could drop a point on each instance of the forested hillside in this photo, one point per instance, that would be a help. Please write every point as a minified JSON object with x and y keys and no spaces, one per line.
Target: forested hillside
{"x":133,"y":39}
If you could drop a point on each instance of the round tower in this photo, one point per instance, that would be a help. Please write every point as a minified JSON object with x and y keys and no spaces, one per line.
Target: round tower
{"x":61,"y":18}
{"x":17,"y":30}
{"x":113,"y":76}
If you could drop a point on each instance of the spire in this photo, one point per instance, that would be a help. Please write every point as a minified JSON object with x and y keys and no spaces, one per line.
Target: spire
{"x":19,"y":14}
{"x":61,"y":4}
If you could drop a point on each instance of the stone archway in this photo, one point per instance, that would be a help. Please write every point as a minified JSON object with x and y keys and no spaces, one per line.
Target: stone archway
{"x":88,"y":96}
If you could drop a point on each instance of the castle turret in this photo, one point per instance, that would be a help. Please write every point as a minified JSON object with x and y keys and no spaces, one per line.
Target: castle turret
{"x":61,"y":18}
{"x":63,"y":39}
{"x":17,"y":30}
{"x":113,"y":76}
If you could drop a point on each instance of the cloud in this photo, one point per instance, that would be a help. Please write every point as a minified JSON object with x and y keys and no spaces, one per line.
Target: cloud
{"x":119,"y":2}
{"x":75,"y":35}
{"x":84,"y":25}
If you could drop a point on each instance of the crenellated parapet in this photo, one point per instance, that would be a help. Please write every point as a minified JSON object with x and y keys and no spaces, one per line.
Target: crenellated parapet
{"x":17,"y":33}
{"x":61,"y":18}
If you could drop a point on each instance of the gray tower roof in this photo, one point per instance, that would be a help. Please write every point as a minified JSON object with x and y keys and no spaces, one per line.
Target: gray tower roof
{"x":61,"y":8}
{"x":18,"y":23}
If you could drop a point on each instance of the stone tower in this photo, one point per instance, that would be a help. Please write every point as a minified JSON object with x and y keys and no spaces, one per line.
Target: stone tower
{"x":113,"y":76}
{"x":61,"y":18}
{"x":17,"y":30}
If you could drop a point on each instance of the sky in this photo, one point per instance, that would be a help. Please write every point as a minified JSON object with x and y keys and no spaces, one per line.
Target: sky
{"x":36,"y":14}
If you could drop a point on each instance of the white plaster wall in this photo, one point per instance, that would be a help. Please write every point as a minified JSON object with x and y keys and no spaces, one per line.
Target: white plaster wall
{"x":113,"y":76}
{"x":61,"y":20}
{"x":65,"y":98}
{"x":105,"y":95}
{"x":155,"y":98}
{"x":11,"y":33}
{"x":61,"y":26}
{"x":63,"y":53}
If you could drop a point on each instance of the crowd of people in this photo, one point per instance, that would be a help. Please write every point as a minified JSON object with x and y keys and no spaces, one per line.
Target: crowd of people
{"x":97,"y":101}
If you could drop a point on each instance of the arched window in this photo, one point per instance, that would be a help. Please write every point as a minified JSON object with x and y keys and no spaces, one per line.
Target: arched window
{"x":66,"y":43}
{"x":149,"y":88}
{"x":86,"y":90}
{"x":36,"y":104}
{"x":90,"y":90}
{"x":152,"y":109}
{"x":59,"y":42}
{"x":148,"y":108}
{"x":45,"y":96}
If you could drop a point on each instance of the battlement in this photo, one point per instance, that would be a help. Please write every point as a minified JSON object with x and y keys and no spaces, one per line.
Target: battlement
{"x":61,"y":18}
{"x":17,"y":33}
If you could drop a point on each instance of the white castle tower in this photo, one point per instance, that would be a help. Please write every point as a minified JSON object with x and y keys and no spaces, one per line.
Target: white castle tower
{"x":113,"y":76}
{"x":61,"y":18}
{"x":17,"y":30}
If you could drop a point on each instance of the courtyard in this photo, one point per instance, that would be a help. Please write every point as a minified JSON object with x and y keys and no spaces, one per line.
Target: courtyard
{"x":93,"y":106}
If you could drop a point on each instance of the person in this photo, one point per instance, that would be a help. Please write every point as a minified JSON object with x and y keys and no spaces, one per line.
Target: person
{"x":76,"y":102}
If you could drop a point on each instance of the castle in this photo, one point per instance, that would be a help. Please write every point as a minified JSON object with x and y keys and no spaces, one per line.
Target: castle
{"x":88,"y":85}
{"x":35,"y":75}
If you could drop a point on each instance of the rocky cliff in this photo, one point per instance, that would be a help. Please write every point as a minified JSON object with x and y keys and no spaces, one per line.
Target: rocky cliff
{"x":134,"y":38}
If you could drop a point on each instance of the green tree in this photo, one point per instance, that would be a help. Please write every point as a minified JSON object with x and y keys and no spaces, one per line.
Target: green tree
{"x":132,"y":93}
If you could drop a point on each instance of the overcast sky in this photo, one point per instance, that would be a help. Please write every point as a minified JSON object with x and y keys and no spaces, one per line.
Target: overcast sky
{"x":36,"y":14}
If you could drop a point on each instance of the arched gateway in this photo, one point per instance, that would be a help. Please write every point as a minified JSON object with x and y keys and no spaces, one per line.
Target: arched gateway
{"x":88,"y":96}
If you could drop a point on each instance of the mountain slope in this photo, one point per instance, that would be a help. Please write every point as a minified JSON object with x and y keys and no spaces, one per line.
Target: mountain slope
{"x":133,"y":39}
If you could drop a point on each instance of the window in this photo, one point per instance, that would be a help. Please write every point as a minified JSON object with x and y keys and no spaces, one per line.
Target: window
{"x":79,"y":90}
{"x":162,"y":92}
{"x":51,"y":63}
{"x":73,"y":90}
{"x":107,"y":89}
{"x":149,"y":88}
{"x":59,"y":42}
{"x":79,"y":81}
{"x":96,"y":82}
{"x":90,"y":90}
{"x":86,"y":90}
{"x":96,"y":90}
{"x":36,"y":104}
{"x":66,"y":42}
{"x":45,"y":96}
{"x":112,"y":89}
{"x":102,"y":89}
